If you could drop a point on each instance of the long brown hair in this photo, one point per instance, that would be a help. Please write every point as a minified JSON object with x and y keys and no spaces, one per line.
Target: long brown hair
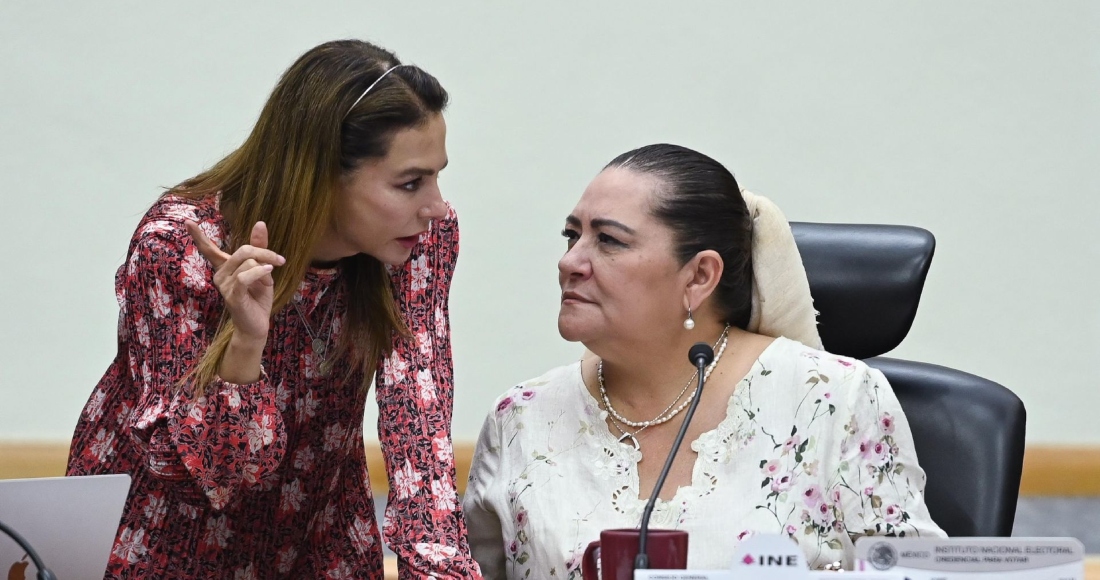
{"x":287,"y":174}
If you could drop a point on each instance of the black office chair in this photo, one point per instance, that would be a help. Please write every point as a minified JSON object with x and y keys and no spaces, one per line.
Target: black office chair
{"x":866,"y":281}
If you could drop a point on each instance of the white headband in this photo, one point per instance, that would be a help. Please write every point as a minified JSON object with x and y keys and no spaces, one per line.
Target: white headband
{"x":378,"y":80}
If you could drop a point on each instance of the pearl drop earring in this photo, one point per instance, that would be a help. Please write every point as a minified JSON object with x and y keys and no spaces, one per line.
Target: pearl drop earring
{"x":690,"y":322}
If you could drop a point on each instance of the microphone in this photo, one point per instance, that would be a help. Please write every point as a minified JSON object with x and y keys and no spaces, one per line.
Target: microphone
{"x":44,"y":573}
{"x":700,"y":355}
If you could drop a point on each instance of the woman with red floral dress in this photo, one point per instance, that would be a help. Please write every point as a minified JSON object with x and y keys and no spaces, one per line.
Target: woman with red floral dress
{"x":256,"y":302}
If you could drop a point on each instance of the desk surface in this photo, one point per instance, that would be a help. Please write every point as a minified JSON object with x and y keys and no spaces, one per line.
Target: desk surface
{"x":1092,"y":568}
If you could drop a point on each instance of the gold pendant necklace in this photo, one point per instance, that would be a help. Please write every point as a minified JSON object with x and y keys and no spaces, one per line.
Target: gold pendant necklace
{"x":318,"y":346}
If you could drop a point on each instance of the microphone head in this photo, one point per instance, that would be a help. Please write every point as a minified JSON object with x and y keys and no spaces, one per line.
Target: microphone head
{"x":701,"y":354}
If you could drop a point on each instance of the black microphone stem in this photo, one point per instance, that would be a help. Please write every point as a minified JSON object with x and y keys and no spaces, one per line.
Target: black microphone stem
{"x":44,"y":573}
{"x":641,"y":561}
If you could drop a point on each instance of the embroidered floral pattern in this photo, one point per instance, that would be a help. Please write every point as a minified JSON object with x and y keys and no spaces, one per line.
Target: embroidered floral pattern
{"x":812,"y":445}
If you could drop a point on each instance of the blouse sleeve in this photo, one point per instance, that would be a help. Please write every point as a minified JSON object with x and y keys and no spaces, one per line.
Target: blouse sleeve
{"x":222,"y":442}
{"x":880,"y":484}
{"x":423,"y":524}
{"x":486,"y":533}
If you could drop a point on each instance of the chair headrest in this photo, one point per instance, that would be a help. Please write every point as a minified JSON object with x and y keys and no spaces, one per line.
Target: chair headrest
{"x":866,"y":281}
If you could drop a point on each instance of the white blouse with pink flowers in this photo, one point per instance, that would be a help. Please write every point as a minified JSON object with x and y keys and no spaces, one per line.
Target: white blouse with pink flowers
{"x":814,"y":445}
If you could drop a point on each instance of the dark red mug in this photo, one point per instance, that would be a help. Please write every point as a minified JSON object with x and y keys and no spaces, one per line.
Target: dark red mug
{"x":667,"y":550}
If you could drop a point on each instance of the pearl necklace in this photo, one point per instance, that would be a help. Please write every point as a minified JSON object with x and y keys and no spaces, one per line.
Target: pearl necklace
{"x":665,"y":415}
{"x":624,"y":434}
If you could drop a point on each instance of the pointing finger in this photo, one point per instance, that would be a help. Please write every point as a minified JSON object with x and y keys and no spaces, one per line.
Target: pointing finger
{"x":206,"y":247}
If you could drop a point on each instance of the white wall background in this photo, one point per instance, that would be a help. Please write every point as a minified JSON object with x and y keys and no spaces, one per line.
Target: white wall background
{"x":976,"y":120}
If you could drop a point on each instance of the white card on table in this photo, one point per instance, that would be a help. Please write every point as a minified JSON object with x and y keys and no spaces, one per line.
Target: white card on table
{"x":974,"y":558}
{"x":764,"y":557}
{"x":753,"y":575}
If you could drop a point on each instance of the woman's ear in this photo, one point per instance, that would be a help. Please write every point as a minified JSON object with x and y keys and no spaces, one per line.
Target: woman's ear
{"x":704,"y":271}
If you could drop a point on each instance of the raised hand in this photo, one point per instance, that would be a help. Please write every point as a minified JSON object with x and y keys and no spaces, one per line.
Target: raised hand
{"x":244,"y":280}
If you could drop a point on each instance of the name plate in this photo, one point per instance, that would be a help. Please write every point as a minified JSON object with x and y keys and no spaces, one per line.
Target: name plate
{"x":974,"y":558}
{"x":753,"y":575}
{"x":765,"y":557}
{"x":683,"y":575}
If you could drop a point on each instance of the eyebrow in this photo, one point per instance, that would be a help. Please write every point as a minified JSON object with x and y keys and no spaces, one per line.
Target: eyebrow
{"x":600,"y":223}
{"x":421,"y":171}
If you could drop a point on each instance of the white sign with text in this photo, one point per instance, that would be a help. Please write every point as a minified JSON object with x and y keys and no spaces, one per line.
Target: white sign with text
{"x":752,"y":575}
{"x":974,"y":558}
{"x":763,"y":557}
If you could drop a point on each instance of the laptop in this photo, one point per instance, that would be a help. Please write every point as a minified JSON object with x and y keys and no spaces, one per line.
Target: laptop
{"x":70,"y":521}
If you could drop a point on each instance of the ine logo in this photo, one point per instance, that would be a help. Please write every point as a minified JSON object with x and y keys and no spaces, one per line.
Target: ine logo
{"x":883,"y":556}
{"x":18,"y":570}
{"x":770,"y":560}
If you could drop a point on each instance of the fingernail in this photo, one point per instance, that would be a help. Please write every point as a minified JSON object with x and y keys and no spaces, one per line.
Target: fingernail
{"x":281,"y":260}
{"x":269,"y":267}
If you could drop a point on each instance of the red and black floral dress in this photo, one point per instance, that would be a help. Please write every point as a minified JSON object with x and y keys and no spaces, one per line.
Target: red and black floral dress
{"x":268,"y":480}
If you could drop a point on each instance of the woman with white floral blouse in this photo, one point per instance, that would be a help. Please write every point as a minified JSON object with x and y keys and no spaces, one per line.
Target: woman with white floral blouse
{"x":787,"y":438}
